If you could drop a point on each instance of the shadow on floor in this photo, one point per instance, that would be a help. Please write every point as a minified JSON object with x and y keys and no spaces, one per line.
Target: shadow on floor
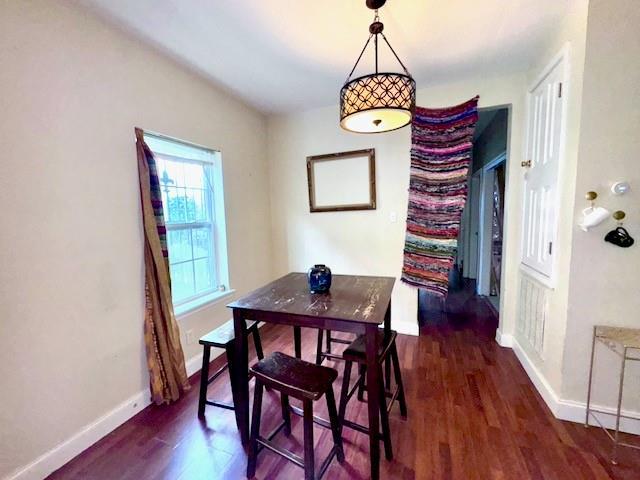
{"x":462,"y":309}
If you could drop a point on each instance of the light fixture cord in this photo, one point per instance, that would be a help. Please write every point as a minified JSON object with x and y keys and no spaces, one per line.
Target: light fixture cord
{"x":359,"y":57}
{"x":395,"y":55}
{"x":376,"y":18}
{"x":375,"y":41}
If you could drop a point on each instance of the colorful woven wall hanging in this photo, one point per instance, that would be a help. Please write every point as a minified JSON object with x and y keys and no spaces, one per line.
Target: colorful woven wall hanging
{"x":441,"y":148}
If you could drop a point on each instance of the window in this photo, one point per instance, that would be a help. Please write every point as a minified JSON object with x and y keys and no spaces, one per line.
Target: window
{"x":193,"y":202}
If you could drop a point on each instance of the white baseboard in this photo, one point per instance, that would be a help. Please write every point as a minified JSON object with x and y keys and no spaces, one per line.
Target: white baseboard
{"x":575,"y":412}
{"x":539,"y":381}
{"x":83,"y":439}
{"x":564,"y":409}
{"x":503,"y":339}
{"x":194,"y":364}
{"x":406,"y":328}
{"x":90,"y":434}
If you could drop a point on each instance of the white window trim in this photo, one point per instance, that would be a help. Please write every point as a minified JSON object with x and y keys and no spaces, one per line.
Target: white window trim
{"x":200,"y":303}
{"x":219,"y":228}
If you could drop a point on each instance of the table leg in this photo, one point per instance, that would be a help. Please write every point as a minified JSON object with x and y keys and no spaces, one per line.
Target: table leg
{"x":593,"y":351}
{"x":373,"y":398}
{"x":387,"y":334}
{"x":387,"y":321}
{"x":240,"y":373}
{"x":297,"y":341}
{"x":616,"y":441}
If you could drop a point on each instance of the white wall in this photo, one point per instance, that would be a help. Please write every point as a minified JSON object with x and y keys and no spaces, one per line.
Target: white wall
{"x":596,"y":283}
{"x":605,"y":279}
{"x":71,"y":275}
{"x":368,"y":242}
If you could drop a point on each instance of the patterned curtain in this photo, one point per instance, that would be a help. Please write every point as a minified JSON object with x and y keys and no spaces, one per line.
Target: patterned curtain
{"x":441,"y":148}
{"x":165,"y":358}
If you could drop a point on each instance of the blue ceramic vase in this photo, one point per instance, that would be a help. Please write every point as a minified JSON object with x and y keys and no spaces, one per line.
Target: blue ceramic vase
{"x":319,"y":277}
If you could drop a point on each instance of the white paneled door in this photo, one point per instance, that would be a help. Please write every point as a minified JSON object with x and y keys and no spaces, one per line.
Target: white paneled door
{"x":544,"y":133}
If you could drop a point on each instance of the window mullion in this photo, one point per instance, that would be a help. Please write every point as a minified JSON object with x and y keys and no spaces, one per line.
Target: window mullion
{"x":193,"y":263}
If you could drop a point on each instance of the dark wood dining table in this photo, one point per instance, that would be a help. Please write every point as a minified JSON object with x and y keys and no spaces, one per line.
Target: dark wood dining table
{"x":357,"y":304}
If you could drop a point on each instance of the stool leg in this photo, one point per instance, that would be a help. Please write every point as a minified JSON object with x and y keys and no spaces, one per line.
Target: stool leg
{"x":319,"y":347}
{"x":398,"y":376}
{"x":255,"y":430}
{"x":362,"y":371}
{"x":229,"y":351}
{"x":204,"y":380}
{"x":329,"y":341}
{"x":335,"y":425}
{"x":297,"y":341}
{"x":309,"y":460}
{"x":344,"y":391}
{"x":258,"y":343}
{"x":387,"y":372}
{"x":286,"y":413}
{"x":384,"y":423}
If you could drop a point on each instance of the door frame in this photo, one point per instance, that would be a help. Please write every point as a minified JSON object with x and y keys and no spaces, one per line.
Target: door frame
{"x":485,"y":230}
{"x":471,"y":234}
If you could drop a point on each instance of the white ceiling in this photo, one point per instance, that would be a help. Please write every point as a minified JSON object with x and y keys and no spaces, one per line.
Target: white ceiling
{"x":279,"y":55}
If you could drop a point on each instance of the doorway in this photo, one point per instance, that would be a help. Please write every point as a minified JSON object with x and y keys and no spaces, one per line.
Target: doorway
{"x":476,"y":275}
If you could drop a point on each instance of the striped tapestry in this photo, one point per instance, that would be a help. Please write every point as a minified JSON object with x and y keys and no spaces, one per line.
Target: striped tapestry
{"x":441,"y":146}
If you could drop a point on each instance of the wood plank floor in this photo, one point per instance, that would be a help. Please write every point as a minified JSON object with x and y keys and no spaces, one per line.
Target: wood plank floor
{"x":473,"y":414}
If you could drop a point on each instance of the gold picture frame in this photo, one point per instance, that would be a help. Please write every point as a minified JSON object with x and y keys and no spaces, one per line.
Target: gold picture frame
{"x":338,"y":182}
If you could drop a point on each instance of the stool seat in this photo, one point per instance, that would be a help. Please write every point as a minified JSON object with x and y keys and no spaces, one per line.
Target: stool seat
{"x":293,"y":376}
{"x":224,"y":334}
{"x":357,"y":350}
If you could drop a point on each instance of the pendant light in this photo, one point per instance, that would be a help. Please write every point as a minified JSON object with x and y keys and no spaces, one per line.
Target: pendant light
{"x":381,"y":101}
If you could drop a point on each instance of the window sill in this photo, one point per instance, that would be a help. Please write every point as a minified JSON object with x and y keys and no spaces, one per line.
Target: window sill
{"x":201,"y":303}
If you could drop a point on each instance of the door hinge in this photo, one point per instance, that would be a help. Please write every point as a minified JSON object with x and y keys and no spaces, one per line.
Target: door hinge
{"x":560,"y":90}
{"x":550,"y":247}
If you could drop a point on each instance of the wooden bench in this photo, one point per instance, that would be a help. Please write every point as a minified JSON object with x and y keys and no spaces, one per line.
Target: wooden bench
{"x":221,"y":337}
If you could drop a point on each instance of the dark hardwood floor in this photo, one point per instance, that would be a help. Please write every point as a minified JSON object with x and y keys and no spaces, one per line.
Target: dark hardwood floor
{"x":473,"y":414}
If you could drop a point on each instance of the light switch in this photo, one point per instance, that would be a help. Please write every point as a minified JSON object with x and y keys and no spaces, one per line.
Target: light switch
{"x":393,"y":217}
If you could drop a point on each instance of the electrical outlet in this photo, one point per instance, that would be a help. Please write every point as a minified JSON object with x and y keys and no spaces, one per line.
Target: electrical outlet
{"x":189,"y":337}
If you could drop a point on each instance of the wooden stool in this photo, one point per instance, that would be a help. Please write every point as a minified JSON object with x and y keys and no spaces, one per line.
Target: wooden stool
{"x":221,"y":337}
{"x":322,"y":354}
{"x":356,"y":352}
{"x":327,"y":353}
{"x":306,"y":382}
